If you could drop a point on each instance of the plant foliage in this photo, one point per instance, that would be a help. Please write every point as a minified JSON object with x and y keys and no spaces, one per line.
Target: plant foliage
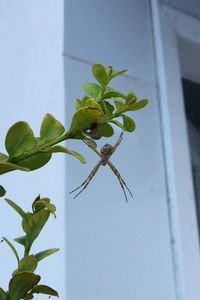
{"x":96,"y":115}
{"x":24,"y":281}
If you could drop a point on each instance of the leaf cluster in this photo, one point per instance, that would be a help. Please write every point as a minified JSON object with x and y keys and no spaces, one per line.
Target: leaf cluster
{"x":95,"y":114}
{"x":24,"y":282}
{"x":27,"y":152}
{"x":102,"y":105}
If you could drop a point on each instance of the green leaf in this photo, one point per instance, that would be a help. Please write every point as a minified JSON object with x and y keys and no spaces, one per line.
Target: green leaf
{"x":43,"y":254}
{"x":35,"y":161}
{"x":32,"y":224}
{"x":84,"y":118}
{"x":107,"y":107}
{"x":27,"y":263}
{"x":43,"y":289}
{"x":84,"y":100}
{"x":12,"y":248}
{"x":2,"y":191}
{"x":138,"y":105}
{"x":130,"y":98}
{"x":112,"y":93}
{"x":92,"y":103}
{"x":107,"y":130}
{"x":129,"y":124}
{"x":109,"y":71}
{"x":42,"y":204}
{"x":21,"y":284}
{"x":62,"y":149}
{"x":119,"y":124}
{"x":16,"y":207}
{"x":50,"y":129}
{"x":3,"y":295}
{"x":19,"y":139}
{"x":93,"y":90}
{"x":3,"y":158}
{"x":7,"y":167}
{"x":78,"y":103}
{"x":100,"y":74}
{"x":120,"y":106}
{"x":113,"y":75}
{"x":21,"y":240}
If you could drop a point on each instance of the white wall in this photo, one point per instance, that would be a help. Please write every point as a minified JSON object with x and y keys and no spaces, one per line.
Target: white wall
{"x":31,"y":84}
{"x":117,"y":250}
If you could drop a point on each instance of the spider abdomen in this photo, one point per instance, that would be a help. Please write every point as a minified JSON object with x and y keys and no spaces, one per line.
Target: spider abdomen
{"x":106,"y":152}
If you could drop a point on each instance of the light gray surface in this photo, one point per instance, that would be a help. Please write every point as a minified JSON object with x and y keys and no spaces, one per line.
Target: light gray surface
{"x":111,"y":32}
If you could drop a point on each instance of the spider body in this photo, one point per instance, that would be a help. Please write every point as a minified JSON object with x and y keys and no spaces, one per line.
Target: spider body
{"x":105,"y":153}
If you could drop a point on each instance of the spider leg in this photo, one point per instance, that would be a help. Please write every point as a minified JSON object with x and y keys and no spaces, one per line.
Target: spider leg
{"x":120,"y":179}
{"x":118,"y":141}
{"x":87,"y":181}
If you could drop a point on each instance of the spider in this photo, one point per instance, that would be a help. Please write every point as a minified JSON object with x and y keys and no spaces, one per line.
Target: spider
{"x":105,"y":153}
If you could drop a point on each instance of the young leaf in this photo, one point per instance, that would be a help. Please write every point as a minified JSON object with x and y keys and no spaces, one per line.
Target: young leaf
{"x":43,"y":254}
{"x":59,"y":148}
{"x":35,"y":161}
{"x":84,"y":100}
{"x":109,"y":71}
{"x":93,"y":90}
{"x":50,"y":129}
{"x":120,"y":106}
{"x":138,"y":105}
{"x":21,"y":283}
{"x":27,"y":263}
{"x":107,"y":107}
{"x":43,"y":289}
{"x":12,"y":248}
{"x":130,"y":98}
{"x":16,"y":207}
{"x":2,"y":191}
{"x":100,"y":74}
{"x":19,"y":139}
{"x":112,"y":93}
{"x":42,"y":204}
{"x":92,"y":103}
{"x":78,"y":103}
{"x":129,"y":124}
{"x":107,"y":130}
{"x":113,"y":75}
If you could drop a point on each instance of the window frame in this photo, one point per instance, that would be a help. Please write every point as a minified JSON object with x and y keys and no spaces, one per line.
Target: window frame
{"x":169,"y":25}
